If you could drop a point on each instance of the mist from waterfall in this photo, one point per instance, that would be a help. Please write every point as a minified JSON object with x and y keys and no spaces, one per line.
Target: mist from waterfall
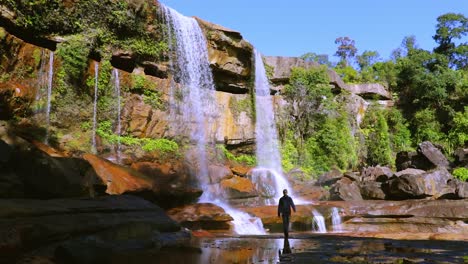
{"x":49,"y":95}
{"x":269,"y":169}
{"x":195,"y":103}
{"x":96,"y":82}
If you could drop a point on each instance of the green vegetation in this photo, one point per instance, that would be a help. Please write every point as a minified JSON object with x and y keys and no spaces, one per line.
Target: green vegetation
{"x":244,"y":159}
{"x":164,"y":147}
{"x":315,"y":132}
{"x":376,"y":131}
{"x":238,"y":106}
{"x":430,"y":88}
{"x":461,"y":173}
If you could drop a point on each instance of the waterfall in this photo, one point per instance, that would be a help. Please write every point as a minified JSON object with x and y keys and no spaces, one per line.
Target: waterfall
{"x":96,"y":81}
{"x":195,"y":102}
{"x":269,"y":171}
{"x":318,"y":222}
{"x":192,"y":70}
{"x":115,"y":76}
{"x":336,"y":220}
{"x":49,"y":94}
{"x":41,"y":80}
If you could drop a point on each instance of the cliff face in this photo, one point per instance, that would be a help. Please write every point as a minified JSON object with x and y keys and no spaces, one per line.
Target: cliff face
{"x":130,"y":38}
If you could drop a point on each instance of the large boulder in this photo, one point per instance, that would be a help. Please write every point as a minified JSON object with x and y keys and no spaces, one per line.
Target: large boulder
{"x":427,"y":157}
{"x":330,"y":177}
{"x":430,"y":184}
{"x":230,"y":58}
{"x":238,"y":187}
{"x":173,"y":184}
{"x":433,"y":154}
{"x":460,"y":187}
{"x":44,"y":176}
{"x":409,"y":172}
{"x":118,"y":179}
{"x":26,"y":225}
{"x":372,"y":190}
{"x":201,"y":215}
{"x":377,"y":173}
{"x":412,"y":160}
{"x":369,"y":90}
{"x":345,"y":190}
{"x":461,"y":156}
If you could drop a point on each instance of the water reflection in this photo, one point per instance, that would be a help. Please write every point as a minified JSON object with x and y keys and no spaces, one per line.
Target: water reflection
{"x":323,"y":248}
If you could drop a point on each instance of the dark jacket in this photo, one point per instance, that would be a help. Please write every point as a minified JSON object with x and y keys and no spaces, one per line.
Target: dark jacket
{"x":285,"y":204}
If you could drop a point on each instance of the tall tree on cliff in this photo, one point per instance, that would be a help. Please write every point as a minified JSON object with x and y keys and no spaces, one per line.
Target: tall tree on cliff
{"x":451,"y":27}
{"x":346,"y":50}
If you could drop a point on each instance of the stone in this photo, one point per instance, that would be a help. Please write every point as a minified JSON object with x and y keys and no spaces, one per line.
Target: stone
{"x":414,"y":160}
{"x":369,"y":90}
{"x":330,"y":177}
{"x":372,"y":190}
{"x":201,"y":215}
{"x":50,"y":223}
{"x":461,"y":156}
{"x":430,"y":184}
{"x":241,"y":171}
{"x":238,"y":187}
{"x":460,"y":189}
{"x":230,"y":58}
{"x":433,"y":154}
{"x":217,"y":173}
{"x":377,"y":173}
{"x":409,"y":172}
{"x":308,"y":191}
{"x":117,"y":178}
{"x":173,"y":184}
{"x":345,"y":190}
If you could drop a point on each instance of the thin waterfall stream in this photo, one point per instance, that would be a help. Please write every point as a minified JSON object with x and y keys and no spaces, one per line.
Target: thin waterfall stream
{"x":49,"y":94}
{"x":118,"y":129}
{"x":269,"y":171}
{"x":96,"y":82}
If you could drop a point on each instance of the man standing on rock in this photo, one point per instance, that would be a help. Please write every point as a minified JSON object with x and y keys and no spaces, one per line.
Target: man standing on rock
{"x":284,"y":210}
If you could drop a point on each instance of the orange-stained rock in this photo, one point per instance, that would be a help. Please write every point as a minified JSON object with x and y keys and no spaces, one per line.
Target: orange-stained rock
{"x":48,"y":149}
{"x":241,"y":171}
{"x":201,"y":215}
{"x":173,"y":184}
{"x":238,"y":187}
{"x":118,"y":178}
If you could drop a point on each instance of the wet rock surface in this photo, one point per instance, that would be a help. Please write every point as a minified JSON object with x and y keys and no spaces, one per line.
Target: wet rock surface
{"x":39,"y":227}
{"x":202,"y":215}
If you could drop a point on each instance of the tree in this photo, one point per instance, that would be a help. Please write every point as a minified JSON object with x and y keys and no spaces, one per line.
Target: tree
{"x":450,"y":27}
{"x":375,"y":128}
{"x":346,"y":50}
{"x":307,"y":92}
{"x":321,"y":59}
{"x":367,"y":59}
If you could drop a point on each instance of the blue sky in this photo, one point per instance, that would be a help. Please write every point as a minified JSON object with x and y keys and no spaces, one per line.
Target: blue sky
{"x":295,"y":27}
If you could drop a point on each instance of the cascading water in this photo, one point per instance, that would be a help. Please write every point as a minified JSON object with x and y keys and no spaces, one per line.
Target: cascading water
{"x":96,"y":81}
{"x":115,"y":76}
{"x":318,"y":222}
{"x":336,"y":220}
{"x":196,"y":103}
{"x":269,"y":171}
{"x":49,"y":94}
{"x":41,"y":80}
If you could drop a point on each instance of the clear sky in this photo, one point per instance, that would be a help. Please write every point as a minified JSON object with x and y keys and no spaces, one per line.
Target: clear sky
{"x":295,"y":27}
